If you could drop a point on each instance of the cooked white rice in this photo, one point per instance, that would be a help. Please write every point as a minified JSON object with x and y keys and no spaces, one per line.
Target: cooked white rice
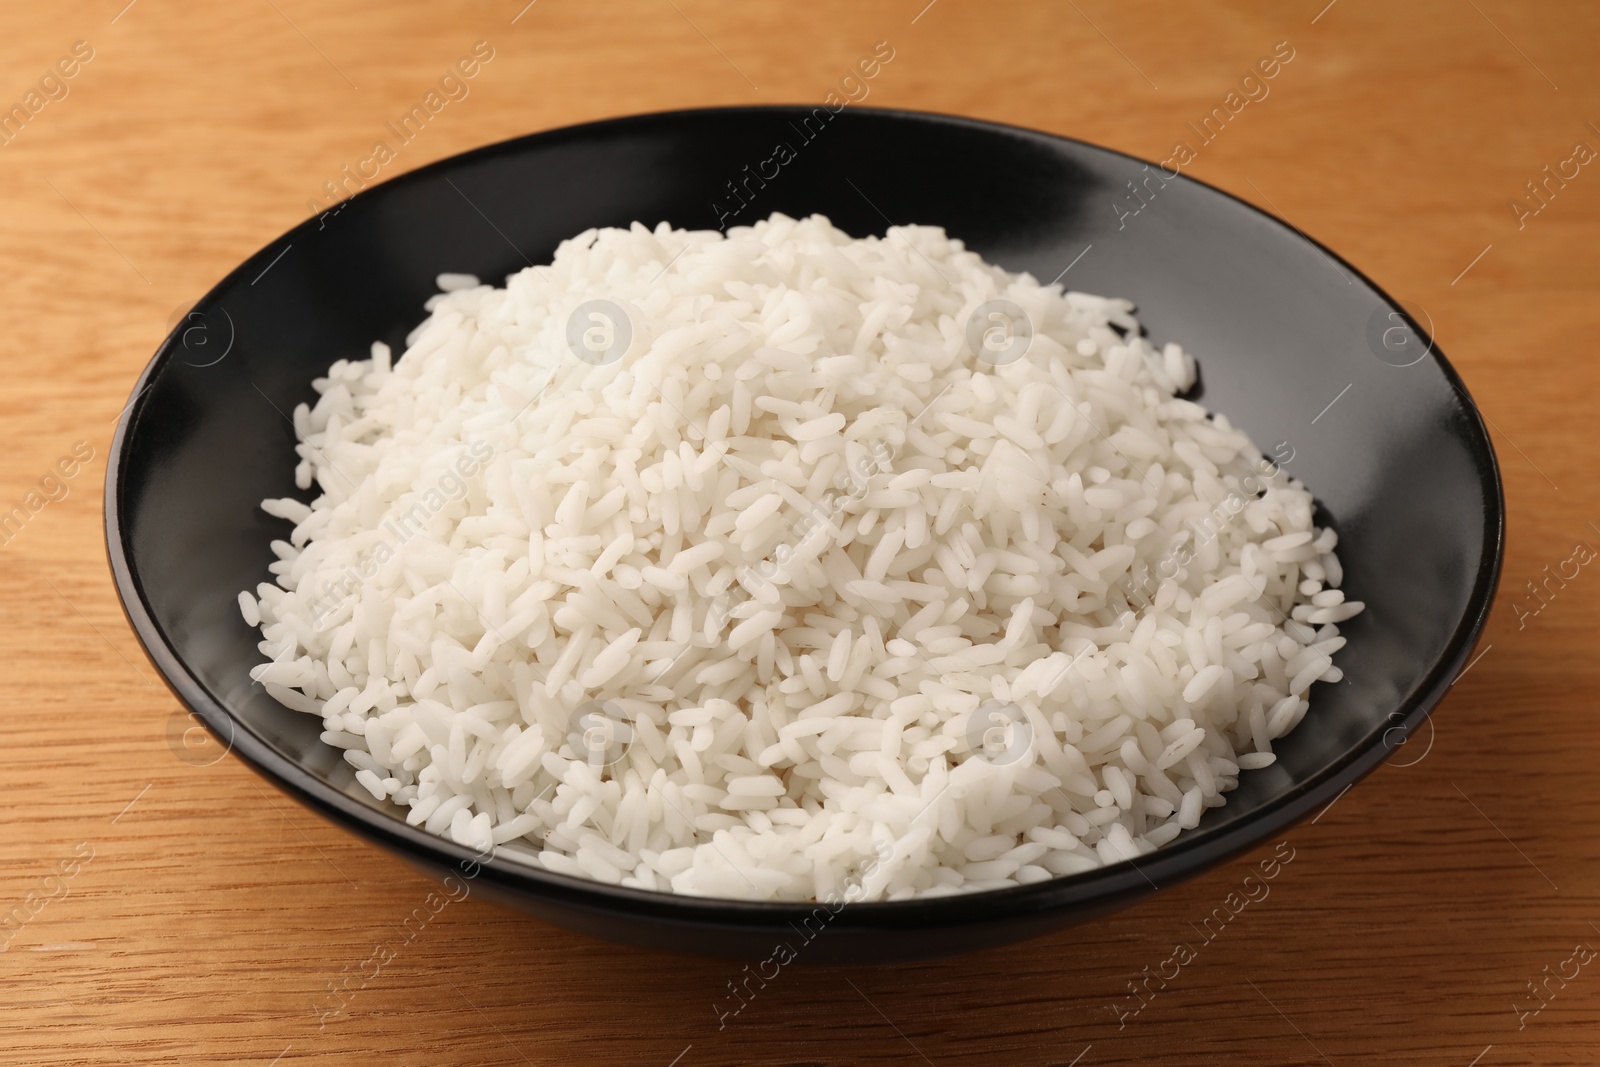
{"x":794,"y":573}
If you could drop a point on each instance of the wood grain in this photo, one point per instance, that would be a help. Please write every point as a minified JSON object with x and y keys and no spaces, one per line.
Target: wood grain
{"x":214,"y":915}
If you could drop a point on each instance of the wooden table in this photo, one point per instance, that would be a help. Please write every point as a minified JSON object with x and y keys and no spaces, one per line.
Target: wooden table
{"x":191,"y":914}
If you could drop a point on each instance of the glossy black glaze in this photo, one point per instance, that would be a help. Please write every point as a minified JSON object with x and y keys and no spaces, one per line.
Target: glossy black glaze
{"x":1401,"y":462}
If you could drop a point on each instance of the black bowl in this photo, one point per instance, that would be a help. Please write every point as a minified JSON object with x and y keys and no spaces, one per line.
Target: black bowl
{"x":1400,"y":461}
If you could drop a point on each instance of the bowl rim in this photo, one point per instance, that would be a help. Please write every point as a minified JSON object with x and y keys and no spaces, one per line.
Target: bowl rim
{"x":1106,"y":886}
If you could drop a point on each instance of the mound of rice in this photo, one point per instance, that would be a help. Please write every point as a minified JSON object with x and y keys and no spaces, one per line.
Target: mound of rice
{"x":784,"y":565}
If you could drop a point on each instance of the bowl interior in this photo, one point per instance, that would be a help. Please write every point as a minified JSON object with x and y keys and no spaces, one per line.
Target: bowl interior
{"x":1399,"y":462}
